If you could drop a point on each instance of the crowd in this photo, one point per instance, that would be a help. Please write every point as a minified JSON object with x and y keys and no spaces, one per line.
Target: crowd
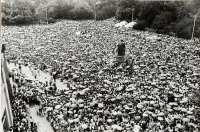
{"x":22,"y":121}
{"x":150,"y":92}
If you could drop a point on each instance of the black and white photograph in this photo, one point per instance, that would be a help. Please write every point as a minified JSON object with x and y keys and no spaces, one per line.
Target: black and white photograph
{"x":100,"y":66}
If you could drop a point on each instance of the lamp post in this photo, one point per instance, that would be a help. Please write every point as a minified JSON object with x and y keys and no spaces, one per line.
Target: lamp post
{"x":132,"y":13}
{"x":195,"y":18}
{"x":95,"y":13}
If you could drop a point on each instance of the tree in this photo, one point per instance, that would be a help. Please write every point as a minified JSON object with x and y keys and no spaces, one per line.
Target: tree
{"x":44,"y":12}
{"x":18,"y":12}
{"x":105,"y":10}
{"x":162,"y":20}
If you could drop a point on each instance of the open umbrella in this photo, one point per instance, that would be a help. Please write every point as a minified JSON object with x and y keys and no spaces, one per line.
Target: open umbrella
{"x":60,"y":116}
{"x":84,"y":126}
{"x":109,"y":120}
{"x":139,"y":106}
{"x":160,"y":118}
{"x":185,"y":119}
{"x":115,"y":126}
{"x":137,"y":117}
{"x":145,"y":115}
{"x":100,"y":105}
{"x":106,"y":112}
{"x":161,"y":114}
{"x":119,"y":88}
{"x":81,"y":105}
{"x":114,"y":113}
{"x":57,"y":106}
{"x":49,"y":109}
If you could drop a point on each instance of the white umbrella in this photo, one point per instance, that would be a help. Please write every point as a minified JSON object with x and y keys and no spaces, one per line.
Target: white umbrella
{"x":114,"y":113}
{"x":161,"y":114}
{"x":100,"y":105}
{"x":84,"y":126}
{"x":115,"y":126}
{"x":186,"y":119}
{"x":57,"y":106}
{"x":160,"y":118}
{"x":60,"y":116}
{"x":109,"y":120}
{"x":49,"y":109}
{"x":119,"y":88}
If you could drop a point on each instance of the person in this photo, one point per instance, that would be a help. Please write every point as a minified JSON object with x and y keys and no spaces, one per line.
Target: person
{"x":20,"y":67}
{"x":31,"y":122}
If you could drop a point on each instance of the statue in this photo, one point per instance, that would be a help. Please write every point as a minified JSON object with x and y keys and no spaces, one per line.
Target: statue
{"x":121,"y":57}
{"x":3,"y":48}
{"x":121,"y":48}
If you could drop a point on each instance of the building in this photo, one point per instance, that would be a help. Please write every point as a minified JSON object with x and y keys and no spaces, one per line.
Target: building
{"x":6,"y":96}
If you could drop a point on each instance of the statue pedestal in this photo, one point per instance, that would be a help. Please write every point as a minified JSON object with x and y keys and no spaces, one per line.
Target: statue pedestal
{"x":121,"y":59}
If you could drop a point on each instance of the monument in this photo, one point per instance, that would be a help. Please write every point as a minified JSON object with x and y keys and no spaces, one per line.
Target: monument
{"x":121,"y":49}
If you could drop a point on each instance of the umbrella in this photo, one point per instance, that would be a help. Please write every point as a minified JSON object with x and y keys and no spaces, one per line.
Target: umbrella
{"x":76,"y":120}
{"x":106,"y":112}
{"x":136,"y":128}
{"x":145,"y":114}
{"x":80,"y":101}
{"x":100,"y":105}
{"x":49,"y":109}
{"x":109,"y":120}
{"x":139,"y":106}
{"x":84,"y":126}
{"x":57,"y":106}
{"x":190,"y":112}
{"x":154,"y":115}
{"x":177,"y":117}
{"x":137,"y":117}
{"x":180,"y":126}
{"x":67,"y":104}
{"x":119,"y":88}
{"x":29,"y":93}
{"x":72,"y":99}
{"x":161,"y":114}
{"x":115,"y":126}
{"x":169,"y":109}
{"x":70,"y":121}
{"x":185,"y":99}
{"x":114,"y":113}
{"x":142,"y":96}
{"x":60,"y":116}
{"x":73,"y":105}
{"x":119,"y":128}
{"x":160,"y":118}
{"x":70,"y":112}
{"x":152,"y":102}
{"x":81,"y":105}
{"x":186,"y":119}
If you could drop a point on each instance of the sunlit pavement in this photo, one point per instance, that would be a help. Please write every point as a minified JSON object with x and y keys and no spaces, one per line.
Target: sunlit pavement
{"x":42,"y":124}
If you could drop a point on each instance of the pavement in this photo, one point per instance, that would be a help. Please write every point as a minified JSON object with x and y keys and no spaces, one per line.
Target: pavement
{"x":42,"y":124}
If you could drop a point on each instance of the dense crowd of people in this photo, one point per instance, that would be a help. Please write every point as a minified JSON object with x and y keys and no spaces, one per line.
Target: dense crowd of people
{"x":150,"y":92}
{"x":22,"y":121}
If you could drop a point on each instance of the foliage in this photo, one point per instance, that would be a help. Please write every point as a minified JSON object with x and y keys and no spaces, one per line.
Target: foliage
{"x":17,"y":12}
{"x":51,"y":20}
{"x":141,"y":25}
{"x":105,"y":10}
{"x":162,"y":16}
{"x":162,"y":21}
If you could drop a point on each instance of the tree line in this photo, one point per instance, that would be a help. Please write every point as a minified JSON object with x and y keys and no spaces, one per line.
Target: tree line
{"x":174,"y":18}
